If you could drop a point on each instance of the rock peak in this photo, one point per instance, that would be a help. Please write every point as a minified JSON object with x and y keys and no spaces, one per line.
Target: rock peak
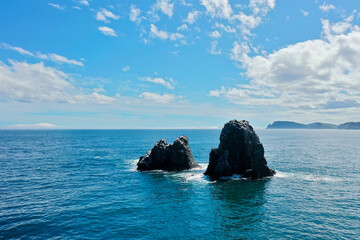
{"x":240,"y":152}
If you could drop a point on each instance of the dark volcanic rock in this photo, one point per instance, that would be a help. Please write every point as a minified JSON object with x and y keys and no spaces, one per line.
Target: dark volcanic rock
{"x":240,"y":152}
{"x":173,"y":157}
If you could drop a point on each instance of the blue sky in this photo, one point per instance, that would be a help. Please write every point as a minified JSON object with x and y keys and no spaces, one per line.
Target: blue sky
{"x":177,"y":63}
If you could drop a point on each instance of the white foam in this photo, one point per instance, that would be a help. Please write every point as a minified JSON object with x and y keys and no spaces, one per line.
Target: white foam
{"x":307,"y":177}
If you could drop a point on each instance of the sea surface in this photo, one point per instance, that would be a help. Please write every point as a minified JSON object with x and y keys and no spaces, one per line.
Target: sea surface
{"x":83,"y":184}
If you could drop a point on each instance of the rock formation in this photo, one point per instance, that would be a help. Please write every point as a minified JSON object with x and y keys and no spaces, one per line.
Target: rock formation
{"x":240,"y":152}
{"x":173,"y":157}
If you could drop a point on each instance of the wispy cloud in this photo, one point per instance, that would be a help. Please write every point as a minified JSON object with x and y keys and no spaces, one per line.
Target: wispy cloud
{"x":160,"y":81}
{"x":158,"y":98}
{"x":218,"y":8}
{"x":57,"y":6}
{"x":156,"y":33}
{"x":17,"y":49}
{"x":305,"y":13}
{"x":104,"y":15}
{"x":126,"y":68}
{"x":213,"y":48}
{"x":33,"y":126}
{"x":183,"y":27}
{"x":84,"y":2}
{"x":327,"y":7}
{"x":192,"y":17}
{"x":59,"y":59}
{"x":166,"y":7}
{"x":215,"y":34}
{"x":45,"y":56}
{"x":134,"y":14}
{"x":107,"y":31}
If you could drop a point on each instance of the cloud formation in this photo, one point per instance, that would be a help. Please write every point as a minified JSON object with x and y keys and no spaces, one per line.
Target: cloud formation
{"x":44,"y":56}
{"x":25,"y":82}
{"x":134,"y":14}
{"x":57,"y":6}
{"x":158,"y":98}
{"x":327,"y":7}
{"x":218,"y":8}
{"x":160,"y":81}
{"x":166,"y":7}
{"x":156,"y":33}
{"x":104,"y":15}
{"x":33,"y":126}
{"x":107,"y":31}
{"x":315,"y":74}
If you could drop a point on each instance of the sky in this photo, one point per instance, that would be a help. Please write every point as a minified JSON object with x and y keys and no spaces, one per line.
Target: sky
{"x":120,"y":64}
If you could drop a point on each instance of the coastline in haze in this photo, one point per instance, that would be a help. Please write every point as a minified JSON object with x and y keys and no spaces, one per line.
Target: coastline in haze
{"x":316,"y":125}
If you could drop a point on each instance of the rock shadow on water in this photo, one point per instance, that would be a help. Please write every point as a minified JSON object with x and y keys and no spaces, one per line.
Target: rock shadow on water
{"x":239,"y":210}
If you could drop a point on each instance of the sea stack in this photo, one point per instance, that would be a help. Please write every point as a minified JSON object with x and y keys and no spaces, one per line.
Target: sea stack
{"x":168,"y":157}
{"x":240,"y":152}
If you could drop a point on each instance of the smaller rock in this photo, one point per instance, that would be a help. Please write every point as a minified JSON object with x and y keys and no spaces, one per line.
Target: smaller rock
{"x":168,"y":157}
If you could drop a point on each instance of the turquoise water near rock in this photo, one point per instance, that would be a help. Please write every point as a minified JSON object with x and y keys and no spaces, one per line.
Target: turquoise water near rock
{"x":82,"y":184}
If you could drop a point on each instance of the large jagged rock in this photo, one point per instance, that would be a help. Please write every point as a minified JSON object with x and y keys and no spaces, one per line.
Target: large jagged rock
{"x":173,"y":157}
{"x":240,"y":152}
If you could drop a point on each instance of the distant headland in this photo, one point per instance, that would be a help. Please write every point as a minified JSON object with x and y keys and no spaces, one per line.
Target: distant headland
{"x":315,"y":125}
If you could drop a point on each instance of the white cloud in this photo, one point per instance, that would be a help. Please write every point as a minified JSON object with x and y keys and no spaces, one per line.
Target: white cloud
{"x":17,"y":49}
{"x":59,"y":59}
{"x":156,"y":33}
{"x":158,"y":98}
{"x":84,"y":2}
{"x":315,"y":74}
{"x":327,"y":7}
{"x":33,"y":126}
{"x":192,"y":16}
{"x":239,"y":51}
{"x":217,"y":8}
{"x":261,"y":7}
{"x":339,"y":27}
{"x":215,"y":34}
{"x":227,"y":29}
{"x":25,"y":82}
{"x":107,"y":31}
{"x":183,"y":27}
{"x":213,"y":48}
{"x":165,"y":6}
{"x":305,"y":13}
{"x":57,"y":6}
{"x":248,"y":22}
{"x":48,"y":56}
{"x":104,"y":15}
{"x":134,"y":13}
{"x":126,"y":68}
{"x":175,"y":36}
{"x":160,"y":81}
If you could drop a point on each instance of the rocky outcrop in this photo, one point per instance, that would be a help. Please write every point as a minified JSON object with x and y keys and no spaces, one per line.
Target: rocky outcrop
{"x":240,"y":152}
{"x":168,"y":157}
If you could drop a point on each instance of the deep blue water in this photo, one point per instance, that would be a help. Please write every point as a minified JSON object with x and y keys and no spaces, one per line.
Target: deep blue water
{"x":82,"y":184}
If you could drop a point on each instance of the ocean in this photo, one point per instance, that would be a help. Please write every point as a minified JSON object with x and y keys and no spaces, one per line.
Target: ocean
{"x":83,"y":184}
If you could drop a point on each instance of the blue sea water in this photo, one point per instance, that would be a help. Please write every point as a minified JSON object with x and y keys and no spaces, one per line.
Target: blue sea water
{"x":82,"y":184}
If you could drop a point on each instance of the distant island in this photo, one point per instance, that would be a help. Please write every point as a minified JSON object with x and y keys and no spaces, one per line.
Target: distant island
{"x":315,"y":125}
